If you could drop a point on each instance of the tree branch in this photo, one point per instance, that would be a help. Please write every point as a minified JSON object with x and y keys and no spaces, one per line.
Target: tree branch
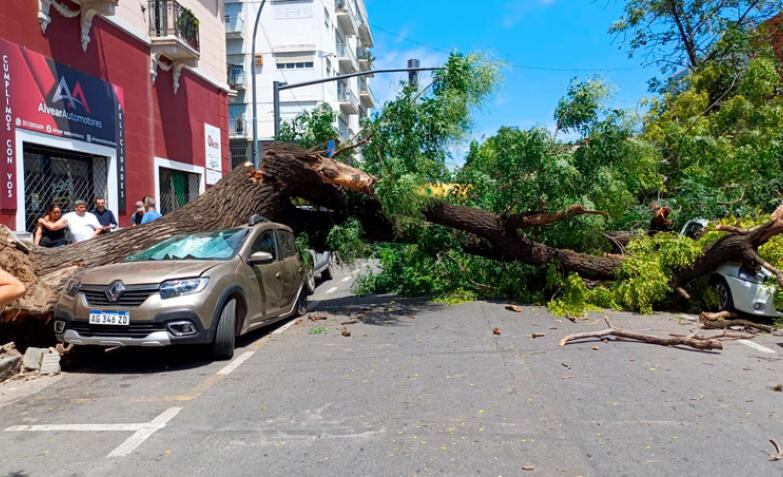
{"x":540,"y":218}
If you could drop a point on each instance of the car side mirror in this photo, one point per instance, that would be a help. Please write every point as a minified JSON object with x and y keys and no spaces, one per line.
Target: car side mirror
{"x":260,"y":258}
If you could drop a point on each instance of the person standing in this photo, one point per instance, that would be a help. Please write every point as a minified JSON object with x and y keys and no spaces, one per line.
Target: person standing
{"x":139,"y":214}
{"x":104,"y":215}
{"x":50,"y":231}
{"x":150,"y":214}
{"x":82,"y":225}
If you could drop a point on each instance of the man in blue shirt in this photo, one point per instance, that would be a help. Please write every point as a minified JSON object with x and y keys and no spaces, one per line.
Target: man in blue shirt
{"x":150,"y":214}
{"x":105,"y":216}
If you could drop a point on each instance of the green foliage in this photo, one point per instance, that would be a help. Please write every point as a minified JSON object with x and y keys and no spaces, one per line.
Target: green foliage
{"x":303,"y":248}
{"x":347,"y":240}
{"x":579,"y":109}
{"x":318,"y":330}
{"x":312,"y":128}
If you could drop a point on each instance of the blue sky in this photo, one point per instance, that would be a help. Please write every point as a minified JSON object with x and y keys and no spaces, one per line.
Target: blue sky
{"x":553,"y":35}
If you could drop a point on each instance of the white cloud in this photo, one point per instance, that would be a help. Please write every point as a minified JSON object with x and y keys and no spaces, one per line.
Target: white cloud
{"x":515,"y":11}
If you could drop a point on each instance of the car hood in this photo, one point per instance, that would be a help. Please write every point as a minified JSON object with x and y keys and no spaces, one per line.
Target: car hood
{"x":136,"y":273}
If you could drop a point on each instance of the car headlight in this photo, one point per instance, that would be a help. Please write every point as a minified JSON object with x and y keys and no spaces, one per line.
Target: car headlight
{"x":72,"y":287}
{"x":173,"y":288}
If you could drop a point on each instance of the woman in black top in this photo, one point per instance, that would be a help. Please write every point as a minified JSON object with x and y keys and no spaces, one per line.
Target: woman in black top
{"x":51,"y":228}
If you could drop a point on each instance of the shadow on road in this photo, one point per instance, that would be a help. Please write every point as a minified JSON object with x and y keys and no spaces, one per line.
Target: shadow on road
{"x":135,"y":360}
{"x":380,"y":310}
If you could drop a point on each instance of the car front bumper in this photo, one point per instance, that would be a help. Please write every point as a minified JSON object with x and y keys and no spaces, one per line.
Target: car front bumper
{"x":156,"y":333}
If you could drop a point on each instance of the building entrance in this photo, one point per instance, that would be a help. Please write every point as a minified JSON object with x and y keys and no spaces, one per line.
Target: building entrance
{"x":61,"y":177}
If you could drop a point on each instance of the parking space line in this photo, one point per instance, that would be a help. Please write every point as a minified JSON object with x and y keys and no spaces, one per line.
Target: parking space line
{"x":757,"y":347}
{"x":143,"y":434}
{"x":141,"y":431}
{"x":283,"y":328}
{"x":331,"y":290}
{"x":234,"y":364}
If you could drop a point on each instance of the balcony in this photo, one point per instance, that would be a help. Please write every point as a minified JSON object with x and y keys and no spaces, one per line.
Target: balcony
{"x":365,"y":58}
{"x":365,"y":94}
{"x":236,"y":76}
{"x":345,"y":58}
{"x":349,"y":104}
{"x":237,"y":126}
{"x":103,"y":7}
{"x":364,"y":34}
{"x":174,"y":32}
{"x":235,"y":26}
{"x":346,"y":16}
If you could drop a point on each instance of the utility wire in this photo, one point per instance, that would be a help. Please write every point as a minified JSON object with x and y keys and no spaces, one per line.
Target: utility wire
{"x":515,"y":65}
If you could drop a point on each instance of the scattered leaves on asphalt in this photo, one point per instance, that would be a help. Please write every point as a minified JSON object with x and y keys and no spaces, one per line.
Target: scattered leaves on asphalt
{"x":350,"y":322}
{"x":565,"y":365}
{"x":497,"y":331}
{"x":596,"y":348}
{"x":537,"y":335}
{"x":318,"y":330}
{"x":778,"y":454}
{"x":345,"y":332}
{"x":316,"y":317}
{"x":514,"y":308}
{"x":777,"y":387}
{"x":528,"y":467}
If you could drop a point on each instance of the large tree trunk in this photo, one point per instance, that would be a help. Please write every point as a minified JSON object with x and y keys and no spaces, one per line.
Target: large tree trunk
{"x":287,"y":173}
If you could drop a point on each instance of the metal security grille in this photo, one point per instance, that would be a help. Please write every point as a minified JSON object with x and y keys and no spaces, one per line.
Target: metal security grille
{"x":238,"y":153}
{"x":60,"y":177}
{"x":177,"y":188}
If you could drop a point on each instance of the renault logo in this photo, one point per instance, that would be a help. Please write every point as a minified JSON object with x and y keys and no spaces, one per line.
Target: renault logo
{"x":115,"y":291}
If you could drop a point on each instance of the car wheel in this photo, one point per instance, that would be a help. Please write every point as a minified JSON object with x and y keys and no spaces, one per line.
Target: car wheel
{"x":223,"y":344}
{"x":309,"y":282}
{"x":327,"y":273}
{"x":301,"y":306}
{"x":725,"y":301}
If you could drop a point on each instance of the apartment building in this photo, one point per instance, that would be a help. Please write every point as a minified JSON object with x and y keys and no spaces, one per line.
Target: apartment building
{"x":114,"y":98}
{"x":298,"y":41}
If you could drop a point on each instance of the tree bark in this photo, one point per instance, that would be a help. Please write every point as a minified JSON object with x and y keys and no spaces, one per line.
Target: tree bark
{"x":287,"y":173}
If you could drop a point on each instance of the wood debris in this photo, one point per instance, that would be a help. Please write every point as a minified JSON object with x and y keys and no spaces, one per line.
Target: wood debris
{"x":514,"y":308}
{"x":692,"y":342}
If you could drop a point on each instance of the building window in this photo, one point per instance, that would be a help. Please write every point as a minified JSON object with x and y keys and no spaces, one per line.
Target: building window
{"x":299,"y":65}
{"x":177,"y":188}
{"x":60,"y":177}
{"x":327,"y":24}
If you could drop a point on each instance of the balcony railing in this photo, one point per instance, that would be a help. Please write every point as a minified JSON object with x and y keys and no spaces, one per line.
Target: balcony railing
{"x":236,"y":76}
{"x":235,"y":25}
{"x":169,"y":18}
{"x":349,"y":103}
{"x":345,"y":57}
{"x":237,"y":125}
{"x":365,"y":58}
{"x":346,"y":15}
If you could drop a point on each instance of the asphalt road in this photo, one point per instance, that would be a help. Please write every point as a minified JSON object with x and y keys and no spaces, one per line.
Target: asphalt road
{"x":416,"y":389}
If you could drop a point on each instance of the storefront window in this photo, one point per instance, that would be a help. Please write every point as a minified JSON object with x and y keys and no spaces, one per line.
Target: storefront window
{"x":177,"y":188}
{"x":60,"y":177}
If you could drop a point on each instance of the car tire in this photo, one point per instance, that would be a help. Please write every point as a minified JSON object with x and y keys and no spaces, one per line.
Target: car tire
{"x":309,"y":282}
{"x":327,"y":273}
{"x":725,"y":300}
{"x":225,"y":334}
{"x":301,"y":306}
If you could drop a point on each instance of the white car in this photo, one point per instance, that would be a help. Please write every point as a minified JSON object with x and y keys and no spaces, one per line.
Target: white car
{"x":743,"y":287}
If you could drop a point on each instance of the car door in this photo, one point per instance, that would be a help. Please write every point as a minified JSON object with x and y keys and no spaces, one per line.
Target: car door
{"x":268,"y":279}
{"x":292,"y":269}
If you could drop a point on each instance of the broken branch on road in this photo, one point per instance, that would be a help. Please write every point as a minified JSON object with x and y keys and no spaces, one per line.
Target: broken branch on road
{"x":619,"y":333}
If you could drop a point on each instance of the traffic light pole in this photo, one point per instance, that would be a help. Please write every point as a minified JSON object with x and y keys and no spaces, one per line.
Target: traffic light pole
{"x":278,"y":86}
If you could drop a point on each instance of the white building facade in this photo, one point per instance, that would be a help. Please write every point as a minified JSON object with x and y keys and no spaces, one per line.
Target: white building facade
{"x":298,"y":41}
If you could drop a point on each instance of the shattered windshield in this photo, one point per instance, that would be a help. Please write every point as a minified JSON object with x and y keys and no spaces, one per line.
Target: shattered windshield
{"x":221,"y":245}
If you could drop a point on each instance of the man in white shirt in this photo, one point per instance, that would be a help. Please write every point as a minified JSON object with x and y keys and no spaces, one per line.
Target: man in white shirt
{"x":82,"y":224}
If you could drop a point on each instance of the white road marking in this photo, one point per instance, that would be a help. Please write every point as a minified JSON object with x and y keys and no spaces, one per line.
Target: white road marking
{"x":757,"y":347}
{"x":283,"y":328}
{"x":331,"y":290}
{"x":346,"y":279}
{"x":141,"y":431}
{"x":141,"y":435}
{"x":234,"y":364}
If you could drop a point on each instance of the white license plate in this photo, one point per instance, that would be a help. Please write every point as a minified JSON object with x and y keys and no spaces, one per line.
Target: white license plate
{"x":104,"y":317}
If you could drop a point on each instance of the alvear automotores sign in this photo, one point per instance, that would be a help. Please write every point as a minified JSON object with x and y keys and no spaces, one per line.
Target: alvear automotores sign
{"x":41,"y":95}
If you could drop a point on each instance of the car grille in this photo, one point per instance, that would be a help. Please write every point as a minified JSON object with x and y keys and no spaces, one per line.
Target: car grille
{"x":133,"y":330}
{"x":133,"y":296}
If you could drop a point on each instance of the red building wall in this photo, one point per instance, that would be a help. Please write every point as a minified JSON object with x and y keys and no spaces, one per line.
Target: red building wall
{"x":158,"y":122}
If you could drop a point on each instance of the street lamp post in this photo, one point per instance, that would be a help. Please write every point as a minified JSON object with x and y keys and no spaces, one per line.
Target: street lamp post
{"x":278,"y":86}
{"x":254,"y":147}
